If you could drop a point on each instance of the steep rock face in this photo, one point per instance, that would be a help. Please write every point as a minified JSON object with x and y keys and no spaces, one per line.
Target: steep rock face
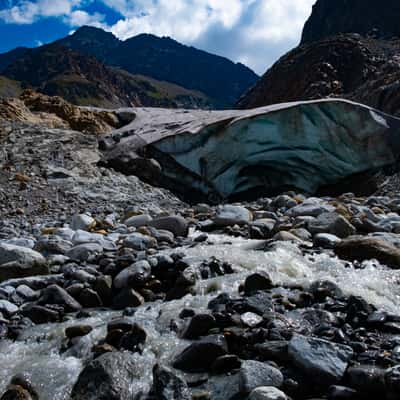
{"x":236,"y":154}
{"x":360,"y":69}
{"x":378,"y":18}
{"x":54,"y":112}
{"x":83,"y":80}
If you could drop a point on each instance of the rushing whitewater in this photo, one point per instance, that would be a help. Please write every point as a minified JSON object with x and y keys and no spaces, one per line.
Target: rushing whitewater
{"x":37,"y":352}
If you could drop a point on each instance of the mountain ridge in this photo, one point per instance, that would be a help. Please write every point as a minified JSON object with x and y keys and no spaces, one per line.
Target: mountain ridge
{"x":216,"y":78}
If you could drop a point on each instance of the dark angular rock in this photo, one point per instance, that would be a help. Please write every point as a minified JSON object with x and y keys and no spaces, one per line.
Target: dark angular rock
{"x":199,"y":325}
{"x":168,"y":386}
{"x":127,"y":298}
{"x":77,"y":331}
{"x":54,"y":294}
{"x":225,"y":364}
{"x":254,"y":374}
{"x":322,"y":360}
{"x":89,"y":298}
{"x":257,"y":281}
{"x":199,"y":356}
{"x":108,"y":377}
{"x":40,"y":314}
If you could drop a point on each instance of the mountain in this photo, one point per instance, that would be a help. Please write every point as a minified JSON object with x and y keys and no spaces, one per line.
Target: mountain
{"x":379,"y":19}
{"x":167,"y":60}
{"x":355,"y":66}
{"x":83,"y":80}
{"x":8,"y":58}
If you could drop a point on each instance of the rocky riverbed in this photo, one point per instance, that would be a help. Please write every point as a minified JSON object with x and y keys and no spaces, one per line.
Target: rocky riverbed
{"x":286,"y":297}
{"x":114,"y":289}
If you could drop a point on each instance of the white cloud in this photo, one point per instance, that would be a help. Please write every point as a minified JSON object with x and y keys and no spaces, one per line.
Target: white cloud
{"x":255,"y":32}
{"x":80,"y":18}
{"x":29,"y":11}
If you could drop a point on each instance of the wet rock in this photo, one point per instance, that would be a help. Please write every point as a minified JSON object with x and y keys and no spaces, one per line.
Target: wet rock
{"x":54,"y":294}
{"x":138,"y":241}
{"x":22,"y":242}
{"x":26,"y":293}
{"x":267,"y":393}
{"x":127,"y":297}
{"x":39,"y":314}
{"x":77,"y":331}
{"x":168,"y":386}
{"x":107,"y":377}
{"x":285,"y":236}
{"x":84,"y":252}
{"x":199,"y":356}
{"x":342,"y":393}
{"x":134,"y":339}
{"x":326,"y":240}
{"x":103,"y":287}
{"x":250,"y":319}
{"x":83,"y":222}
{"x":174,"y":223}
{"x":310,"y":207}
{"x":274,"y":350}
{"x":254,"y":374}
{"x":262,"y":228}
{"x":16,"y":392}
{"x":323,"y":361}
{"x":323,"y":289}
{"x":222,"y":387}
{"x":366,"y":379}
{"x":8,"y":308}
{"x":89,"y":298}
{"x":257,"y":281}
{"x":199,"y":325}
{"x":392,"y":383}
{"x":259,"y":302}
{"x":332,"y":223}
{"x":365,"y":248}
{"x":134,"y":276}
{"x":225,"y":364}
{"x":123,"y":324}
{"x":229,"y":215}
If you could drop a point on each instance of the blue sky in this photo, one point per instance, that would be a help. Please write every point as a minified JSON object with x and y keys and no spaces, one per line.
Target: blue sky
{"x":255,"y":32}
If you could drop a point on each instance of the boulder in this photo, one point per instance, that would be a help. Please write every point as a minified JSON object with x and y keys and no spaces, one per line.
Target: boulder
{"x":108,"y":377}
{"x":84,"y":252}
{"x":20,"y":262}
{"x":174,"y":223}
{"x":392,"y":383}
{"x":138,"y":241}
{"x":366,"y":248}
{"x":83,"y":222}
{"x":258,"y":281}
{"x":127,"y":298}
{"x":169,"y":386}
{"x":332,"y":223}
{"x":254,"y":374}
{"x":133,"y":276}
{"x":232,"y":215}
{"x":138,"y":220}
{"x":323,"y":361}
{"x":200,"y":355}
{"x":54,"y":294}
{"x":267,"y":393}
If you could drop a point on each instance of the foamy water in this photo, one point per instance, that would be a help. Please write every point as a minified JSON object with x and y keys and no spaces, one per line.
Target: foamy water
{"x":53,"y":374}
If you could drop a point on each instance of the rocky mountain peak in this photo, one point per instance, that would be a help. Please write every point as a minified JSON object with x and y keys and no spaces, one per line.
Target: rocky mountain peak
{"x":374,"y":18}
